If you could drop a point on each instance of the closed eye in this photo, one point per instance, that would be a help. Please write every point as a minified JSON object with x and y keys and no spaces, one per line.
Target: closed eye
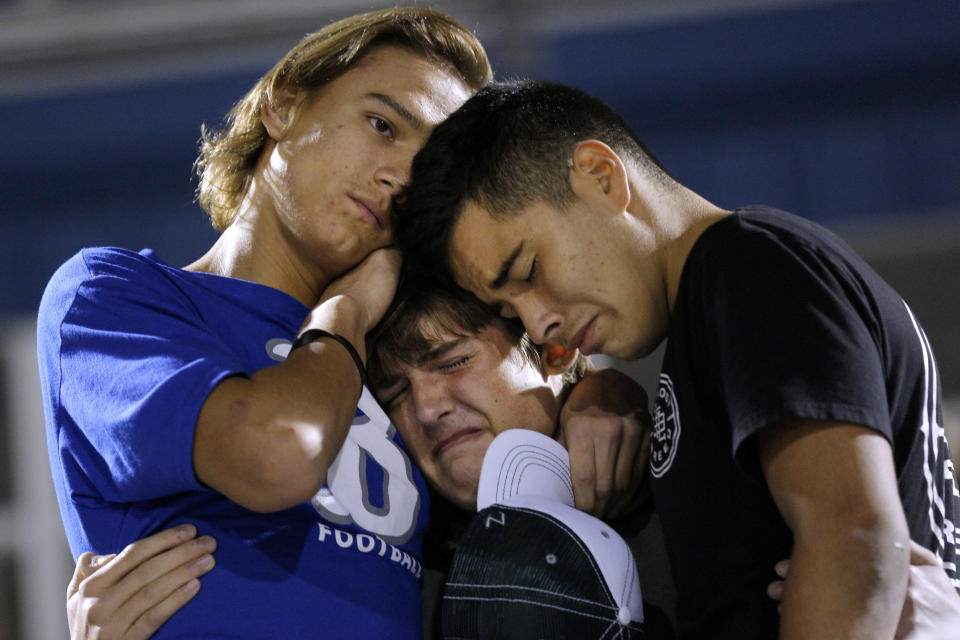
{"x":393,"y":396}
{"x":454,"y":364}
{"x":533,"y":272}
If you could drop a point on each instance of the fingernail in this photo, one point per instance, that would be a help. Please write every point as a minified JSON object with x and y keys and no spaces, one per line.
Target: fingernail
{"x":204,"y":562}
{"x":782,"y":568}
{"x":207,"y":543}
{"x":187,"y":531}
{"x":96,"y":561}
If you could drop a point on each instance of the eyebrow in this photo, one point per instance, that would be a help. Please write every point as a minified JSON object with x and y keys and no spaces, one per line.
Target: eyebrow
{"x":504,"y":273}
{"x":385,"y":383}
{"x":404,"y":113}
{"x":438,"y":352}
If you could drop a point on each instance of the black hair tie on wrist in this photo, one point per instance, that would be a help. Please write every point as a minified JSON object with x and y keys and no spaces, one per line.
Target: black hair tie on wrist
{"x":311,"y":335}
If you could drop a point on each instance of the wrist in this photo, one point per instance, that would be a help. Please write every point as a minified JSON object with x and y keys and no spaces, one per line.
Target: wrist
{"x":312,"y":335}
{"x":342,"y":315}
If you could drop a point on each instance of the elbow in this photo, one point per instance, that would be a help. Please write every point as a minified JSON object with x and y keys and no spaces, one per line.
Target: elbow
{"x":287,"y":469}
{"x":264,"y":455}
{"x":878,"y":533}
{"x":884,"y":552}
{"x":886,"y":543}
{"x":276,"y":492}
{"x":874,"y":546}
{"x":882,"y":529}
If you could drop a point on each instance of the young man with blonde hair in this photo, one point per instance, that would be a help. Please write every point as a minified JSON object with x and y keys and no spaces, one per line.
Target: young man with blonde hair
{"x":173,"y":395}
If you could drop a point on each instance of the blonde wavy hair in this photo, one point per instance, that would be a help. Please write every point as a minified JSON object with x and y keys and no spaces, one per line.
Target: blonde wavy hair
{"x":229,"y":155}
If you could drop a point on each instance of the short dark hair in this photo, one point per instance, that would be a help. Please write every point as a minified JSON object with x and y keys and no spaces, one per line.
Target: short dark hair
{"x":400,"y":337}
{"x":504,"y":149}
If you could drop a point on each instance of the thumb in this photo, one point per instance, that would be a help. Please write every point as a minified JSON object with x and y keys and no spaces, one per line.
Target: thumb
{"x":920,"y":555}
{"x":87,"y":564}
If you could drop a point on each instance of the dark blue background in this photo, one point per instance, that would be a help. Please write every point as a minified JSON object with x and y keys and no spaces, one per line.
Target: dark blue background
{"x":839,"y":112}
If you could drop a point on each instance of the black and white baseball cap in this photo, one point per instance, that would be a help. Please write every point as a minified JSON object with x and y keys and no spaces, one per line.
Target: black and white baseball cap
{"x":530,"y":565}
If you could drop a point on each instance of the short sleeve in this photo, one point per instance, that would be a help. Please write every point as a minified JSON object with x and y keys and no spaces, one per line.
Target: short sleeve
{"x":136,"y":362}
{"x":792,"y":334}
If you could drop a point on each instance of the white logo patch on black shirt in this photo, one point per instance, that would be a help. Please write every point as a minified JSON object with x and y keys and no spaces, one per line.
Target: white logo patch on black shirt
{"x":666,"y":428}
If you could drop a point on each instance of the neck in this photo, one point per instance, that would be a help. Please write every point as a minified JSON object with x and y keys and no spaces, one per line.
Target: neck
{"x":255,"y":248}
{"x":675,"y":217}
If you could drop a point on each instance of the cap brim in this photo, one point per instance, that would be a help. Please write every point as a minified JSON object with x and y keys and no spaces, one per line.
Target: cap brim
{"x":524,"y":462}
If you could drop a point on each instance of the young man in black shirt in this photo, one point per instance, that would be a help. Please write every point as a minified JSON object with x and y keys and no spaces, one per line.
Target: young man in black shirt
{"x":798,"y":411}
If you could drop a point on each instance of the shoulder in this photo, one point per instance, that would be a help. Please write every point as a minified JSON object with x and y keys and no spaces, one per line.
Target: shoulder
{"x":101,"y":280}
{"x":94,"y":262}
{"x":761,"y":243}
{"x":120,"y":263}
{"x":739,"y":250}
{"x":760,"y":229}
{"x":66,"y":281}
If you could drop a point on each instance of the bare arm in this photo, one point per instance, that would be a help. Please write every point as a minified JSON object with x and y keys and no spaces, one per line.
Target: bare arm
{"x":836,"y":487}
{"x":931,"y":610}
{"x":267,"y":441}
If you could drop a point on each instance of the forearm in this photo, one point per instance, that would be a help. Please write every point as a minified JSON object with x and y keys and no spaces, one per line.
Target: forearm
{"x":846,"y":582}
{"x":836,"y":487}
{"x":268,"y":441}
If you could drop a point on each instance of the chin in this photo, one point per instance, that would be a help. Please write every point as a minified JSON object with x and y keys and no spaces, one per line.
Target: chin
{"x":636,"y":353}
{"x":461,"y":498}
{"x":464,"y":494}
{"x":467,"y":504}
{"x":637,"y":349}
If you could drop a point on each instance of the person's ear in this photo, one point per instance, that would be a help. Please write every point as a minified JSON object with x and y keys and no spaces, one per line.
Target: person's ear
{"x":556,"y":360}
{"x":598,"y":172}
{"x":278,"y":112}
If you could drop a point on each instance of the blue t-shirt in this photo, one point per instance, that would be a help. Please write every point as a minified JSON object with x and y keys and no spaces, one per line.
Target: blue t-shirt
{"x":129,"y":348}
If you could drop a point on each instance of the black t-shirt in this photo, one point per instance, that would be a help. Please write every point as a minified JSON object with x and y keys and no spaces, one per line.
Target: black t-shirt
{"x":777,"y":318}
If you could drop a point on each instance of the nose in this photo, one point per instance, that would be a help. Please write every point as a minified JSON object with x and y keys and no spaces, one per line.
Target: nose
{"x":395,"y":174}
{"x":431,"y":400}
{"x":393,"y":180}
{"x":543,"y":323}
